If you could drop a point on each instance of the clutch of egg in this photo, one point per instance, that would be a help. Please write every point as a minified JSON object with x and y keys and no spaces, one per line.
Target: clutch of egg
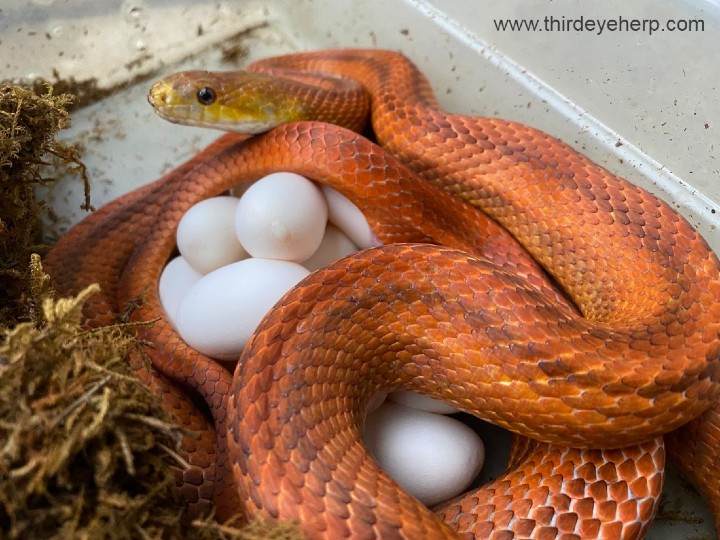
{"x":240,"y":255}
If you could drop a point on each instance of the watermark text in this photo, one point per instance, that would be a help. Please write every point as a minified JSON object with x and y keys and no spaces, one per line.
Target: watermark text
{"x":597,"y":26}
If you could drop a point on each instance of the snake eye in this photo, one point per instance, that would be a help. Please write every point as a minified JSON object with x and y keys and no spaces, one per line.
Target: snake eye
{"x":206,"y":95}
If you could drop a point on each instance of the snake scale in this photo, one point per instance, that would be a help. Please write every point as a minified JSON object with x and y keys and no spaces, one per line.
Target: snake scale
{"x":516,"y":280}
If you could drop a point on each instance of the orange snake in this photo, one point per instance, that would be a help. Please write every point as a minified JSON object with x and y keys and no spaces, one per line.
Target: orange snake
{"x":475,"y":322}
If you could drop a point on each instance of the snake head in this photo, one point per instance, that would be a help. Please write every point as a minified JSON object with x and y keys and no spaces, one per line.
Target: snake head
{"x":238,"y":101}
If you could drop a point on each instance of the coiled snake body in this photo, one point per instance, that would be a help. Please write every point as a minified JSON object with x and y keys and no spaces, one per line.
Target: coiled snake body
{"x":583,"y":313}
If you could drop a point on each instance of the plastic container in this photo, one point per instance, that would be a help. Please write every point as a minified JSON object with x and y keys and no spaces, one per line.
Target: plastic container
{"x":642,"y":102}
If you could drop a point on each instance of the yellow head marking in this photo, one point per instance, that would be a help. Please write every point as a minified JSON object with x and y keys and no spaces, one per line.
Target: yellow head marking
{"x":236,"y":101}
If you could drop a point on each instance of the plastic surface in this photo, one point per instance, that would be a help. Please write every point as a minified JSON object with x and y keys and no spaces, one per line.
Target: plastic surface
{"x":645,"y":105}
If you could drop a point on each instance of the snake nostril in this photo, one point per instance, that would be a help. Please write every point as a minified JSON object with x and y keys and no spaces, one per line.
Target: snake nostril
{"x":158,"y":95}
{"x":159,"y":98}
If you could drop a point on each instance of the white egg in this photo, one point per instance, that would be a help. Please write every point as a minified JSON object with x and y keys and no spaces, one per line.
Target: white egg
{"x":334,"y":245}
{"x":281,"y":216}
{"x":434,"y":457}
{"x":176,"y":279}
{"x":206,"y":234}
{"x":220,"y":312}
{"x":349,"y":219}
{"x":419,"y":401}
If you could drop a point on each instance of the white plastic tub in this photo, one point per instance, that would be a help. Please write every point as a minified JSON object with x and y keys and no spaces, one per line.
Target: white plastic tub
{"x":644,"y":104}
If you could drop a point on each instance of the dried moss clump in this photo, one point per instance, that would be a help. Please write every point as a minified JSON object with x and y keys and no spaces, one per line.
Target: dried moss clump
{"x":29,"y":121}
{"x":85,"y":451}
